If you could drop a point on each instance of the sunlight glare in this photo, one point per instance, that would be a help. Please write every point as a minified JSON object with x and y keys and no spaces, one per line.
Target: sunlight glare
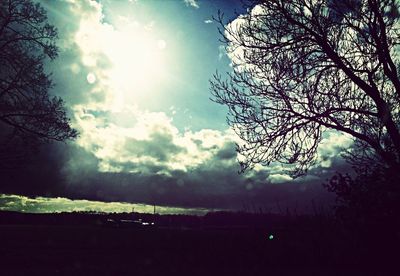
{"x":161,"y":44}
{"x":137,"y":61}
{"x":132,"y":54}
{"x":91,"y":78}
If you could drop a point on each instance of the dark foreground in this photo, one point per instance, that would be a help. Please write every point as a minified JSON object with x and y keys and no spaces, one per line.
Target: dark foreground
{"x":104,"y":248}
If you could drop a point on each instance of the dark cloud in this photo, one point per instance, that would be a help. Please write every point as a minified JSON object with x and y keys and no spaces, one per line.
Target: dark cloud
{"x":228,"y":151}
{"x":159,"y":146}
{"x":214,"y":184}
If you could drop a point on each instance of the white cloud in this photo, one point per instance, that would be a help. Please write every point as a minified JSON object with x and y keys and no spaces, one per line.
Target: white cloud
{"x":192,"y":3}
{"x":235,"y":53}
{"x":151,"y":140}
{"x":208,"y":21}
{"x":331,"y":147}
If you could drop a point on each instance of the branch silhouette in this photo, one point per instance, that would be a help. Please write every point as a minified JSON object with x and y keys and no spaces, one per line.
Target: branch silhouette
{"x":303,"y":67}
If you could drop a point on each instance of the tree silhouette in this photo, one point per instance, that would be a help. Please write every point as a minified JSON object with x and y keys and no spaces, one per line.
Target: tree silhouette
{"x":302,"y":67}
{"x":28,"y":115}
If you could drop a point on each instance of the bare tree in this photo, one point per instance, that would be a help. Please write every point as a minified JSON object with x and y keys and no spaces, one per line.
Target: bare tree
{"x":302,"y":67}
{"x":28,"y":115}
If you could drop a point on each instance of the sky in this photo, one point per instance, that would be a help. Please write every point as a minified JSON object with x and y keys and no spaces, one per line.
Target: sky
{"x":134,"y":75}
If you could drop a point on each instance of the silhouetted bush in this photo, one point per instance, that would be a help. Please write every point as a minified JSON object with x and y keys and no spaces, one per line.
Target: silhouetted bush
{"x":370,"y":198}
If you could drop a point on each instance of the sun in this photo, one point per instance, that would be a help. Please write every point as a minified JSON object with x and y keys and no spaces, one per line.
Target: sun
{"x":134,"y":55}
{"x":137,"y":61}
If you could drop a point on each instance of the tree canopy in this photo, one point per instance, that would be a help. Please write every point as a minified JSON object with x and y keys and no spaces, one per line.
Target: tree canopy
{"x":28,"y":114}
{"x":303,"y":67}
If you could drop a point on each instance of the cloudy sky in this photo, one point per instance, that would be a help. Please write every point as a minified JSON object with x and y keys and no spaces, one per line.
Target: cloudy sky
{"x":135,"y":78}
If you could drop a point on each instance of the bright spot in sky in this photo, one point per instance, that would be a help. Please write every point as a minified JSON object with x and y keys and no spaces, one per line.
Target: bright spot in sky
{"x":137,"y":62}
{"x":161,"y":44}
{"x":134,"y":52}
{"x":271,"y":237}
{"x":91,"y":78}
